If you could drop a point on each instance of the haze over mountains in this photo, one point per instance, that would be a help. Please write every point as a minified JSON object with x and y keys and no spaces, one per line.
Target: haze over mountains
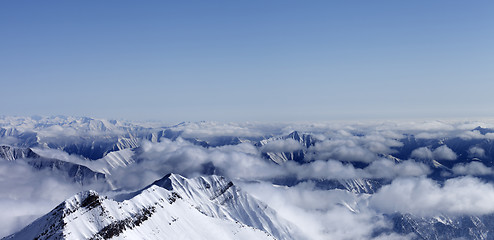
{"x":79,"y":177}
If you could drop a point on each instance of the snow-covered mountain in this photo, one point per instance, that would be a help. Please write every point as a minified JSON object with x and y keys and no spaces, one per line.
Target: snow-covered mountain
{"x":170,"y":208}
{"x":12,"y":153}
{"x":310,"y":165}
{"x":298,"y":155}
{"x":87,"y":137}
{"x":445,"y":227}
{"x":70,"y":171}
{"x":121,"y":158}
{"x":95,"y":138}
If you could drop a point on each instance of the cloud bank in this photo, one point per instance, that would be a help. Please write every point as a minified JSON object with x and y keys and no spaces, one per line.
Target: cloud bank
{"x":425,"y":197}
{"x":441,"y":153}
{"x":341,"y":151}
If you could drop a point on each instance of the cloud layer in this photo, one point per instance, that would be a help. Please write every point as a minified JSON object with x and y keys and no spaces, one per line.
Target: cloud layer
{"x":27,"y":194}
{"x":425,"y":197}
{"x":340,"y":151}
{"x":441,"y":153}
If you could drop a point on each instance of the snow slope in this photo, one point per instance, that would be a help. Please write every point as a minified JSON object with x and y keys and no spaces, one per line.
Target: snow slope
{"x":12,"y":153}
{"x":305,"y":140}
{"x":171,"y":208}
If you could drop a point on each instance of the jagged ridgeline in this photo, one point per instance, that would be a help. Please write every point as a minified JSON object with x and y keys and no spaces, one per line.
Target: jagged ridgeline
{"x":173,"y":207}
{"x":358,"y":161}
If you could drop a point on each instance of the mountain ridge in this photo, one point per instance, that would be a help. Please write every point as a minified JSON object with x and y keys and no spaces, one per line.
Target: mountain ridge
{"x":169,"y":205}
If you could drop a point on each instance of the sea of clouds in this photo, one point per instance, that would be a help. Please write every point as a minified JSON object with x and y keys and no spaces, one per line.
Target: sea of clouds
{"x":27,"y":193}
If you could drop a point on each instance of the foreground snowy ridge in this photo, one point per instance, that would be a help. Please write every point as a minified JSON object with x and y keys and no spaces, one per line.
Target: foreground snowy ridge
{"x":171,"y":208}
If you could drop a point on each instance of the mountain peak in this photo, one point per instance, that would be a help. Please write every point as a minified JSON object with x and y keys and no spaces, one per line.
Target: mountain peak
{"x":14,"y":153}
{"x":164,"y":182}
{"x":294,"y":135}
{"x":483,"y":131}
{"x":208,"y":207}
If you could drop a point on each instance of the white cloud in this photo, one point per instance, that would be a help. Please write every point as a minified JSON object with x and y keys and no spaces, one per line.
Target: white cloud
{"x":441,"y":153}
{"x":477,"y":152}
{"x":422,"y":153}
{"x":324,"y":170}
{"x":380,"y":143}
{"x":282,"y":145}
{"x":444,"y":153}
{"x":56,"y":131}
{"x":10,"y":141}
{"x":395,"y":236}
{"x":431,"y":135}
{"x":388,"y":169}
{"x":181,"y":157}
{"x":216,"y":129}
{"x":424,"y":197}
{"x":72,"y":158}
{"x":342,"y":150}
{"x":472,"y":168}
{"x":27,"y":194}
{"x":468,"y":135}
{"x":334,"y":214}
{"x":322,"y":214}
{"x":382,"y":168}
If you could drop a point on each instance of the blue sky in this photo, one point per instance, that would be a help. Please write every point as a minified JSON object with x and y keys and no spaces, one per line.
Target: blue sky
{"x":247,"y":60}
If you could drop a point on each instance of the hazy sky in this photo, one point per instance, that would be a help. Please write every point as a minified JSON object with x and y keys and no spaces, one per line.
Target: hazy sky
{"x":247,"y":60}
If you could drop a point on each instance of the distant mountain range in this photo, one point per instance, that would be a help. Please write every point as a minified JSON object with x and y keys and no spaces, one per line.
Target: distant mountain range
{"x":209,"y":206}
